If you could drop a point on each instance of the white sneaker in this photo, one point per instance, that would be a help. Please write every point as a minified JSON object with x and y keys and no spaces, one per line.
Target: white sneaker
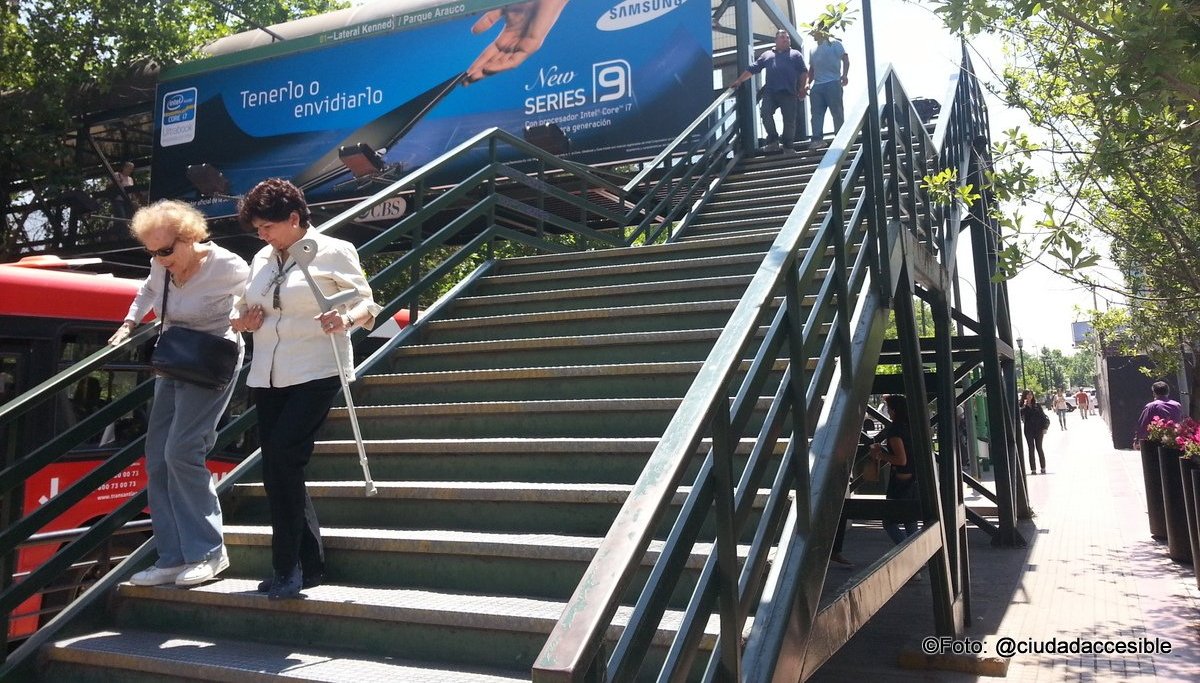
{"x":204,"y":570}
{"x":156,"y":576}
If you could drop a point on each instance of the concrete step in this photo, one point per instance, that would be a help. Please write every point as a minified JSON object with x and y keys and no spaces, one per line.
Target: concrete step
{"x":595,"y":461}
{"x":488,"y":632}
{"x":608,"y":320}
{"x":764,"y":198}
{"x":767,"y":209}
{"x":673,"y":291}
{"x":493,"y":507}
{"x":623,"y":255}
{"x":621,"y":273}
{"x":631,"y":380}
{"x":546,"y":566}
{"x":586,"y":418}
{"x":136,"y":655}
{"x":630,"y":347}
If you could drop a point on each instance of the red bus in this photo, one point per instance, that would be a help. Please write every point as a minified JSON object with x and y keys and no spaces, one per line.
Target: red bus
{"x":49,"y":319}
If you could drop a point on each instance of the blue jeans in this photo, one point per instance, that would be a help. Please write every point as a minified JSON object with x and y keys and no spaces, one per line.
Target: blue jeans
{"x":184,"y":511}
{"x":822,"y":97}
{"x":785,"y":102}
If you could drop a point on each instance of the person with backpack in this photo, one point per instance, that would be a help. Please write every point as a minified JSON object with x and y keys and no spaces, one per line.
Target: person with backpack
{"x":1036,"y":422}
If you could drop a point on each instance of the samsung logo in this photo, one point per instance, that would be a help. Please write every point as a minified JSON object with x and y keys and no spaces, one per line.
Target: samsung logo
{"x":174,"y":102}
{"x":634,"y":12}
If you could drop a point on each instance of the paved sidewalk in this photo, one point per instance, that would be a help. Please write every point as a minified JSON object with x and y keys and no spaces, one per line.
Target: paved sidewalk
{"x":1090,"y":571}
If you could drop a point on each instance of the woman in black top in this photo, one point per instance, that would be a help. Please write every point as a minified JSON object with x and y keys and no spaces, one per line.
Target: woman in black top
{"x":894,"y":446}
{"x":1036,"y":422}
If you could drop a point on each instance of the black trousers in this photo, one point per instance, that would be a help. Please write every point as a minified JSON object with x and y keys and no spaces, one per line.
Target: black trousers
{"x":1034,"y":441}
{"x":288,"y":420}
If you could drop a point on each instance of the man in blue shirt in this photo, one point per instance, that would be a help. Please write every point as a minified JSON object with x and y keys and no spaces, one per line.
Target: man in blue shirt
{"x":830,"y":67}
{"x":786,"y":76}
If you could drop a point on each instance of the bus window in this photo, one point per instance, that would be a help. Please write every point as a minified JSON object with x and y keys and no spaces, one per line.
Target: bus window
{"x":98,"y":389}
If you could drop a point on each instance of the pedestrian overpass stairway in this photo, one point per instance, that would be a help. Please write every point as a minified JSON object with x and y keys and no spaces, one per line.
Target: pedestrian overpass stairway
{"x":517,"y":431}
{"x":502,"y":444}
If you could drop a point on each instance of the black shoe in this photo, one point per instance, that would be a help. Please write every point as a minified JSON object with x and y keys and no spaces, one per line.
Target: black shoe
{"x":309,"y":581}
{"x":286,"y":587}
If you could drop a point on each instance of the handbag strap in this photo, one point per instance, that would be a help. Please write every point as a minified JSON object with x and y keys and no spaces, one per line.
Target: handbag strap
{"x":163,"y":312}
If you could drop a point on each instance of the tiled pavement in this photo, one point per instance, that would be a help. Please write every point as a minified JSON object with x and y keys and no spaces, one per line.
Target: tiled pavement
{"x":1090,"y":571}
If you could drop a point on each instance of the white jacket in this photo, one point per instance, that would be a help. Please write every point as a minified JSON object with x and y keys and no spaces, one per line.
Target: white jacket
{"x":290,"y":347}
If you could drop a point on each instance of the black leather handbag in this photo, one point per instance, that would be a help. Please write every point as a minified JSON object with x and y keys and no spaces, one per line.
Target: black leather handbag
{"x":191,"y":356}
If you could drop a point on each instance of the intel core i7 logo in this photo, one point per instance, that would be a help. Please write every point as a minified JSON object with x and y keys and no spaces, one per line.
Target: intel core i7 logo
{"x":178,"y":124}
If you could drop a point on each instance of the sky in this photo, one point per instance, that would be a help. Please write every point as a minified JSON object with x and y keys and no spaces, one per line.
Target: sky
{"x":1043,"y":305}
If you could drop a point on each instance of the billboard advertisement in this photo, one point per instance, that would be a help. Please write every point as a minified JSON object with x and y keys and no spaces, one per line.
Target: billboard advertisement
{"x":590,"y":80}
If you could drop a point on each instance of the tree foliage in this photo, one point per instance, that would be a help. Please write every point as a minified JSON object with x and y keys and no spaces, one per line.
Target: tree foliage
{"x":62,"y":57}
{"x":1114,"y":89}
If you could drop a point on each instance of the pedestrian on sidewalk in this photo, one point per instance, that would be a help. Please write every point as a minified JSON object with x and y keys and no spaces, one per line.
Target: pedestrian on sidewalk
{"x":1035,"y":422}
{"x":783,"y":89}
{"x":1061,"y":408}
{"x":893,"y":445}
{"x":1082,"y":403}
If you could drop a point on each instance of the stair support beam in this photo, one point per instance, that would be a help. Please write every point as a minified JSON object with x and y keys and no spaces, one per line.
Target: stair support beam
{"x":947,"y":619}
{"x":949,"y":463}
{"x":746,"y":97}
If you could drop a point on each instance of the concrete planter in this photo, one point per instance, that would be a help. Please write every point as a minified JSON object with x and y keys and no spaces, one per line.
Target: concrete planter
{"x":1179,"y":545}
{"x":1152,"y":478}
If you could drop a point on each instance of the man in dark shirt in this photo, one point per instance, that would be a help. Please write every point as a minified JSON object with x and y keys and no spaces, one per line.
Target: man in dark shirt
{"x":786,"y":76}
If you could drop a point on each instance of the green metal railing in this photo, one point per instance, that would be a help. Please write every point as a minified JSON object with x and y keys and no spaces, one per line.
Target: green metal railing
{"x":654,"y":204}
{"x":845,"y":240}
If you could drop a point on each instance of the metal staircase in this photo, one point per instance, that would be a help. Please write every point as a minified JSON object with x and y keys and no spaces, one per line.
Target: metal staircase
{"x":594,"y":465}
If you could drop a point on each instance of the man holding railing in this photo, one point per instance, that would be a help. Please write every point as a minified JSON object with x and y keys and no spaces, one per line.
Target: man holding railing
{"x":786,"y":74}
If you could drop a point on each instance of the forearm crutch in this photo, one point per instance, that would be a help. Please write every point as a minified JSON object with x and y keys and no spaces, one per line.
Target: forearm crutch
{"x":303,"y":252}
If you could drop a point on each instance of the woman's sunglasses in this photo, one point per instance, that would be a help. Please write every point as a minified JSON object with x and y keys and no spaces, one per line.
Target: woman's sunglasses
{"x":164,"y":252}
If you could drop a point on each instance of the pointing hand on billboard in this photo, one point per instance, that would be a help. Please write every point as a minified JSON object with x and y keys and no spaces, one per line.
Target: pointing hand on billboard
{"x":526,"y":25}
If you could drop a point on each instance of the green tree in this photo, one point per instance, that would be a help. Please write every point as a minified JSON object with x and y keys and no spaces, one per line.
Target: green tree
{"x":1113,"y":89}
{"x":63,"y":56}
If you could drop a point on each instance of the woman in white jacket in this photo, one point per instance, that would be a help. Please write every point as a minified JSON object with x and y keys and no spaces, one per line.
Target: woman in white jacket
{"x":293,"y":372}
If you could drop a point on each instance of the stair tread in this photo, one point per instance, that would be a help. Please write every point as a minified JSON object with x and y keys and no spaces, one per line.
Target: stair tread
{"x":478,"y":491}
{"x":221,"y":659}
{"x":607,"y":290}
{"x":640,"y":250}
{"x":619,"y":268}
{"x":544,"y":372}
{"x":537,"y":546}
{"x":560,"y":342}
{"x":513,"y":445}
{"x":532,"y":406}
{"x":585,"y":313}
{"x":434,"y":608}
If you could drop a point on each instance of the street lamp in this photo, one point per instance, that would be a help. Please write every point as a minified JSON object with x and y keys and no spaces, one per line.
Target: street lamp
{"x":1021,"y":352}
{"x":1046,"y":366}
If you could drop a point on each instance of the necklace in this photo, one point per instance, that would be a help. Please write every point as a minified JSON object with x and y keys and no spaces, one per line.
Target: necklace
{"x":276,"y":282}
{"x":186,"y":274}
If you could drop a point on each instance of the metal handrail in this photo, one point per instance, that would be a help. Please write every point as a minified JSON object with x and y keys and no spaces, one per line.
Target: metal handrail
{"x":574,"y":649}
{"x":672,"y":148}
